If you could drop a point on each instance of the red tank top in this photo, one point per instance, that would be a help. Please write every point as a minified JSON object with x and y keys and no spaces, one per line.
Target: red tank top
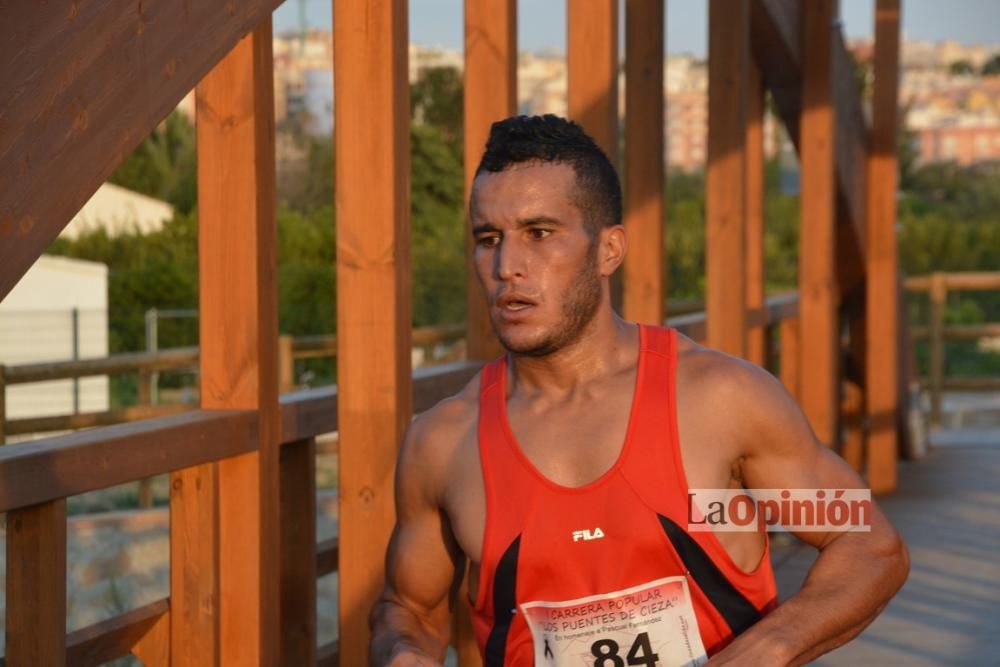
{"x":602,"y":574}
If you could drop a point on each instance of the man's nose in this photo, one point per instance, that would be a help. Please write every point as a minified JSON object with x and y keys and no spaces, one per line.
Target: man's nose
{"x":508,"y":262}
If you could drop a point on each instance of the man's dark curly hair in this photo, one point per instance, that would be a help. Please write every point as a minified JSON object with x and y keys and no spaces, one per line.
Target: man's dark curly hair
{"x":537,"y":139}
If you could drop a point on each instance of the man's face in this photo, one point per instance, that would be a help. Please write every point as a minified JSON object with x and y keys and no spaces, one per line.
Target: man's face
{"x":536,"y":261}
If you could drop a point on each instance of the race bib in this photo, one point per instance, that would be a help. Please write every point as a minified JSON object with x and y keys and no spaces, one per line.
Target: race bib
{"x":652,"y":625}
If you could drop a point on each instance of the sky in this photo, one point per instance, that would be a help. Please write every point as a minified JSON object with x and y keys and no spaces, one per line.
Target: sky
{"x":542,"y":23}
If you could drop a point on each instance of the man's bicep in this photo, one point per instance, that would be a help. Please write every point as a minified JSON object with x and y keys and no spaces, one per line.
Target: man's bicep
{"x":422,"y":560}
{"x":784,"y":453}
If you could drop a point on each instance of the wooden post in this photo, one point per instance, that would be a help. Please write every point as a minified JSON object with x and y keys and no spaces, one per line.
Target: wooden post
{"x":755,"y":278}
{"x":490,"y":95}
{"x":592,"y":70}
{"x":298,"y":553}
{"x":939,"y":296}
{"x":3,"y":404}
{"x":645,"y":292}
{"x":820,"y":333}
{"x":592,"y":82}
{"x":286,"y":364}
{"x":882,"y":390}
{"x":238,"y":321}
{"x":852,"y":407}
{"x":790,"y":357}
{"x":36,"y":585}
{"x":153,"y":649}
{"x":728,"y":58}
{"x":373,"y":294}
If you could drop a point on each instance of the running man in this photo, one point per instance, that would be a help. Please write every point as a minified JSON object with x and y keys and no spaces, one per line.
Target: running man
{"x":560,"y":474}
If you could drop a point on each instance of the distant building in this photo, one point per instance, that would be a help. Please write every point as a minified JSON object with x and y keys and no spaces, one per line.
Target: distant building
{"x":58,"y":310}
{"x":119,"y":210}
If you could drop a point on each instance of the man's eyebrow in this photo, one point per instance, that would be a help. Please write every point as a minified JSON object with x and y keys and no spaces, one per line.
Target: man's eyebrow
{"x":539,"y":220}
{"x":483,"y":228}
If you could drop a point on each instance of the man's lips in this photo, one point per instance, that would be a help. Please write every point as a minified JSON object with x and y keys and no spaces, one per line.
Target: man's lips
{"x":514,"y":306}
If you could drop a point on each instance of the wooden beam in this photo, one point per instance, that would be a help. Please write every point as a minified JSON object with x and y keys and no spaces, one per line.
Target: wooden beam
{"x":238,"y":319}
{"x":36,"y":585}
{"x":373,"y":293}
{"x":153,"y":648}
{"x":194,"y":566}
{"x":490,"y":95}
{"x":298,"y":553}
{"x":67,"y":465}
{"x":645,"y":289}
{"x":728,"y":58}
{"x":592,"y":70}
{"x":84,"y":87}
{"x":883,"y":357}
{"x":775,"y":41}
{"x":790,"y":357}
{"x":818,"y":296}
{"x":114,"y":638}
{"x":757,"y":339}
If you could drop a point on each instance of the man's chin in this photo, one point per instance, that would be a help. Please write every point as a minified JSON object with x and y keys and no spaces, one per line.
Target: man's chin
{"x":538,"y":345}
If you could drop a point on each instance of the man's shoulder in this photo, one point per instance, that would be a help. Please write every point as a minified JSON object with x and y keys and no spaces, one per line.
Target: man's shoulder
{"x":731,"y":389}
{"x":436,"y":433}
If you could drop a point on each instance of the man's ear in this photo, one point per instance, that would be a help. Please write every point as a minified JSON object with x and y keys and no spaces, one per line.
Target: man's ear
{"x":612,"y":244}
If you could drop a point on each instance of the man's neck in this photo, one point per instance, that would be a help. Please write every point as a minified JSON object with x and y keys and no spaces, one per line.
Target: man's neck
{"x":606,"y":345}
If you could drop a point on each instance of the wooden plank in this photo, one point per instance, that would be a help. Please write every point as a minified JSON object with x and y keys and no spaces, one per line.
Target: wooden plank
{"x":129,"y":362}
{"x":373,"y":293}
{"x":645,"y":289}
{"x":312,"y":412}
{"x":852,"y":407}
{"x":194,"y":566}
{"x":883,"y":357}
{"x":818,"y":297}
{"x":238,"y":320}
{"x":153,"y":648}
{"x":790,"y":357}
{"x":85,"y":86}
{"x":490,"y":95}
{"x":298,"y":553}
{"x":964,"y":280}
{"x":28,"y":425}
{"x":938,"y":298}
{"x":755,"y":225}
{"x":36,"y":585}
{"x":111,"y":639}
{"x":67,"y":465}
{"x":592,"y":70}
{"x":725,"y":214}
{"x":3,"y":404}
{"x":327,"y":557}
{"x":776,"y":44}
{"x":328,"y":655}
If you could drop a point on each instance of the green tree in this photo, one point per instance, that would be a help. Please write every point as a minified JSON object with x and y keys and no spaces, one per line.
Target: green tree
{"x":961,"y":68}
{"x":163,"y":166}
{"x":992,"y":66}
{"x":436,"y":99}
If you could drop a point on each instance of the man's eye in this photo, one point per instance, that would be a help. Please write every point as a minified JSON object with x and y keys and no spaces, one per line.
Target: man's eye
{"x":539,"y":234}
{"x":488,"y":241}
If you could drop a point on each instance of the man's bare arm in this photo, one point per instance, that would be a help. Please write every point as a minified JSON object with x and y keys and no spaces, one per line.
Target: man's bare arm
{"x":855,"y":574}
{"x":410,"y":621}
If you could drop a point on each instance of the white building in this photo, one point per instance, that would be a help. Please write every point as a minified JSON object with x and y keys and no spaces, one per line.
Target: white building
{"x":119,"y":211}
{"x":37,"y":325}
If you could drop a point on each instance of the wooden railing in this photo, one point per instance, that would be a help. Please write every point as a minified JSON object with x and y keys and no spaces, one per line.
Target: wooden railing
{"x":145,"y":364}
{"x":938,"y":285}
{"x":37,"y":477}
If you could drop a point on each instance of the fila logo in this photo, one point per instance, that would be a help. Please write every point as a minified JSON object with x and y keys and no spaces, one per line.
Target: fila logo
{"x":594,"y":534}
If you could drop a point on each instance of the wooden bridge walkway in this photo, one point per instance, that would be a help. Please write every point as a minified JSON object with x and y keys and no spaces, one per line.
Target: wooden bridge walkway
{"x":948,"y":613}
